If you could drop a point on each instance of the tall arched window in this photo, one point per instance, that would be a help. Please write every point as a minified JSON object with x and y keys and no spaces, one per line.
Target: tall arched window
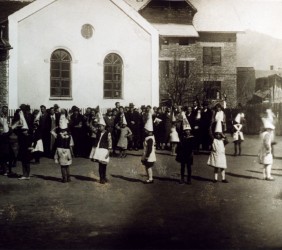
{"x":60,"y":74}
{"x":113,"y":76}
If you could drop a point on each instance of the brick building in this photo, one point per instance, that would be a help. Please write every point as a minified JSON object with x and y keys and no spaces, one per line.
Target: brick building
{"x":197,"y":48}
{"x":246,"y":81}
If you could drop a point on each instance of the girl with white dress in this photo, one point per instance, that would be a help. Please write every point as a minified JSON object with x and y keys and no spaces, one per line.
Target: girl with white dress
{"x":265,"y":154}
{"x":174,"y":139}
{"x":217,"y":158}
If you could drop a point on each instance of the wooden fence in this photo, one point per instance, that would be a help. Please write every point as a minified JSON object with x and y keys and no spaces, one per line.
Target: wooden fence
{"x":253,"y":115}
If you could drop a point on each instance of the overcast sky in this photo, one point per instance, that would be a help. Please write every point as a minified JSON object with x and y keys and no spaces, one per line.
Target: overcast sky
{"x":264,"y":16}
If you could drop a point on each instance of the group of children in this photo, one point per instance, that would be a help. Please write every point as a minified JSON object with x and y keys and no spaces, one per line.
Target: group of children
{"x":182,"y":146}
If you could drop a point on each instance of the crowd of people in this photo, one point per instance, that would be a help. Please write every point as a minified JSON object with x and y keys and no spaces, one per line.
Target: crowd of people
{"x":61,"y":134}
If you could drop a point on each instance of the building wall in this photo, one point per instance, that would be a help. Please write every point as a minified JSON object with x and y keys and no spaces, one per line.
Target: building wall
{"x":226,"y":73}
{"x":58,"y":25}
{"x":3,"y":79}
{"x":245,"y":84}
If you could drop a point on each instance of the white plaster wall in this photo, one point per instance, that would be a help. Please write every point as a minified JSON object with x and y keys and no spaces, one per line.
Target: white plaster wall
{"x":59,"y":26}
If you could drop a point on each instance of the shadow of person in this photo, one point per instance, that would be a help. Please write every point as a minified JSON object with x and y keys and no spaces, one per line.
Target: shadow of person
{"x":199,"y":178}
{"x":126,"y":178}
{"x":48,"y":178}
{"x":243,"y":176}
{"x":261,"y":172}
{"x":165,"y":179}
{"x":84,"y":178}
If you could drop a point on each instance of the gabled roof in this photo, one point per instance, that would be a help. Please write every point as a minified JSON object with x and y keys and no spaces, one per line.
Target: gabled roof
{"x":9,"y":7}
{"x":138,"y":5}
{"x":211,"y":16}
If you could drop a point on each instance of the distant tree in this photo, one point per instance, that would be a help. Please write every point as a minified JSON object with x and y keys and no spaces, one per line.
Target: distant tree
{"x":178,"y":82}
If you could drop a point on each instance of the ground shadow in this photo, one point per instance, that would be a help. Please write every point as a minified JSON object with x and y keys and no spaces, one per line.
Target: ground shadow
{"x":243,"y":176}
{"x":250,"y":155}
{"x":166,"y":179}
{"x":199,"y":178}
{"x":261,"y":172}
{"x":13,"y":175}
{"x":48,"y":178}
{"x":126,"y":178}
{"x":83,"y":178}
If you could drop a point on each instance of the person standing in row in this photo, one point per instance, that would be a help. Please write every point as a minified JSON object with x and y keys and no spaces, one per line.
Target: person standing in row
{"x":24,"y":140}
{"x":133,"y":118}
{"x":76,"y":122}
{"x":205,"y":126}
{"x":185,"y":151}
{"x":124,"y":134}
{"x":217,"y":158}
{"x":103,"y":149}
{"x":265,"y":154}
{"x":238,"y":136}
{"x":63,"y":153}
{"x":149,"y":155}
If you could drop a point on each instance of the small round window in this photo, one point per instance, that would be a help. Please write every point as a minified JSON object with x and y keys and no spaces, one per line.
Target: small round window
{"x":87,"y":31}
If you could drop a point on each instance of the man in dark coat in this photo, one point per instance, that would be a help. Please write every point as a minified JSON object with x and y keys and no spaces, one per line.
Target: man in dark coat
{"x":205,"y":126}
{"x":133,"y":120}
{"x":76,"y":121}
{"x":196,"y":114}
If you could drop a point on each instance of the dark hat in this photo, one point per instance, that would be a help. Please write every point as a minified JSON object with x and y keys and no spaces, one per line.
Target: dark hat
{"x":131,"y":105}
{"x":143,"y":106}
{"x":109,"y":110}
{"x":56,"y":106}
{"x":74,"y":108}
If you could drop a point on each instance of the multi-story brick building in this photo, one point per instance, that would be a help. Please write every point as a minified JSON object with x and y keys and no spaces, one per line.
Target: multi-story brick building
{"x":197,"y":48}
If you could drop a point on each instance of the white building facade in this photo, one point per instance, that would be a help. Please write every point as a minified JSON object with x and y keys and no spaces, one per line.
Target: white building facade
{"x":84,"y":53}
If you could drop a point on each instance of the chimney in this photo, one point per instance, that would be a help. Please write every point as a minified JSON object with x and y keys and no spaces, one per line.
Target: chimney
{"x":271,"y":67}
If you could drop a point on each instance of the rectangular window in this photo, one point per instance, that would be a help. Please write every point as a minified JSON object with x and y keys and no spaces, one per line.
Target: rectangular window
{"x":164,"y":68}
{"x":183,"y":69}
{"x":212,"y":55}
{"x":212,"y":90}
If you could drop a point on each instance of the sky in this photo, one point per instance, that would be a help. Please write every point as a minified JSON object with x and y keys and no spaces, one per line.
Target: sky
{"x":264,"y":16}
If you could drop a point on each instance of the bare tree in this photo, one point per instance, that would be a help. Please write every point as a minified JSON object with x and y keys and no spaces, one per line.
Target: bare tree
{"x":178,"y":84}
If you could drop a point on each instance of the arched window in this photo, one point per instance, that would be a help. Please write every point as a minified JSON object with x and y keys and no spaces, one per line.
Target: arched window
{"x":113,"y":76}
{"x":60,"y":74}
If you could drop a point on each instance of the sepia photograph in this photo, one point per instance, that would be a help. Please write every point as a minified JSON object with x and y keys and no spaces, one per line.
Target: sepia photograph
{"x":140,"y":124}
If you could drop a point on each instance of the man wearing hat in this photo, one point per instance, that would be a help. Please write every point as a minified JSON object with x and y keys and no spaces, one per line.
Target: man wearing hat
{"x":133,"y":119}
